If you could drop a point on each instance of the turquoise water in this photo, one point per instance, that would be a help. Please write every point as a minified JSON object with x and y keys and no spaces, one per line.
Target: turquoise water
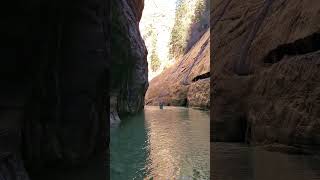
{"x":169,"y":143}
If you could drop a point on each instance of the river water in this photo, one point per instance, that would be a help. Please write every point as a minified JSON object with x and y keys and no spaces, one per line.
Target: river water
{"x":232,"y":161}
{"x":172,"y":143}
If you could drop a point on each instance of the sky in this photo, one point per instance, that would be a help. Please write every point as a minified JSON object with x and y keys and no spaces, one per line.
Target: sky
{"x":161,"y":14}
{"x":160,"y":4}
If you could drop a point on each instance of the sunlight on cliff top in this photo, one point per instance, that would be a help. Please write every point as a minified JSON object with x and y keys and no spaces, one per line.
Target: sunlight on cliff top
{"x":164,"y":35}
{"x":158,"y":16}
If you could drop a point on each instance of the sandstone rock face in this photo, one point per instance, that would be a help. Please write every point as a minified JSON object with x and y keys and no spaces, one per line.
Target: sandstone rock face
{"x":198,"y":94}
{"x":264,"y":72}
{"x":186,"y":83}
{"x":137,"y":7}
{"x":129,"y":72}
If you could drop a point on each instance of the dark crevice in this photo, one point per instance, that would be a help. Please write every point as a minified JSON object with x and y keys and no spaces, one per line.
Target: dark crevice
{"x":185,"y":102}
{"x":196,"y":61}
{"x":305,"y":45}
{"x":237,"y":26}
{"x":201,"y":76}
{"x":248,"y":133}
{"x":243,"y":128}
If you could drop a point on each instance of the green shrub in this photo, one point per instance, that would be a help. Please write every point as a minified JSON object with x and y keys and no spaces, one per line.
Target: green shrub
{"x":179,"y":31}
{"x":155,"y":61}
{"x":183,"y":35}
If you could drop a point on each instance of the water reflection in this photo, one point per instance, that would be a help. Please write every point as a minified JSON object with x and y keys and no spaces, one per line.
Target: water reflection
{"x":240,"y":162}
{"x":127,"y":149}
{"x":178,"y":143}
{"x":172,"y":143}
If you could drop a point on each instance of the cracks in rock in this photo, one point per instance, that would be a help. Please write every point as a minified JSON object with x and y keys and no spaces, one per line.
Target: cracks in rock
{"x":215,"y":21}
{"x":202,"y":76}
{"x":239,"y":24}
{"x":301,"y":46}
{"x":196,"y":61}
{"x":242,"y":68}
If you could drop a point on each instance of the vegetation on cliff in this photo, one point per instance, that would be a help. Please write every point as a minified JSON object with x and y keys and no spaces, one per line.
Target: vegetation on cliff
{"x":170,"y":28}
{"x":190,"y":24}
{"x":186,"y":81}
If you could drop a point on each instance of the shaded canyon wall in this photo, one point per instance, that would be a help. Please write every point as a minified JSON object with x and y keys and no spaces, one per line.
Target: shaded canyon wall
{"x":60,"y":61}
{"x":54,"y":98}
{"x":129,"y":72}
{"x":265,"y":72}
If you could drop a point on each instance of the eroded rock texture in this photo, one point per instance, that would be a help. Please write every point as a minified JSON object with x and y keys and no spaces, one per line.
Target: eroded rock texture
{"x":129,"y":72}
{"x":265,"y":72}
{"x":186,"y":83}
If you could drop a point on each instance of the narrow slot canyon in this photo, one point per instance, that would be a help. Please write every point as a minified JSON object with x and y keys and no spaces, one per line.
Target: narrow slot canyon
{"x":160,"y":89}
{"x":173,"y":123}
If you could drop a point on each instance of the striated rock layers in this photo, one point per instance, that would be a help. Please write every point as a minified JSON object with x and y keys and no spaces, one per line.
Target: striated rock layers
{"x":265,"y":72}
{"x":186,"y":83}
{"x":129,"y":72}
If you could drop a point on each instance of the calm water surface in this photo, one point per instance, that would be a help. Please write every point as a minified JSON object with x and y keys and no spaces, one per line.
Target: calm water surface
{"x":172,"y":143}
{"x":231,"y":161}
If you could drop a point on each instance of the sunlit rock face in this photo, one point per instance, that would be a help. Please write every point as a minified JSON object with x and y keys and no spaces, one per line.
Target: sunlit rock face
{"x":129,"y":67}
{"x":186,"y":82}
{"x":156,"y":25}
{"x":263,"y":72}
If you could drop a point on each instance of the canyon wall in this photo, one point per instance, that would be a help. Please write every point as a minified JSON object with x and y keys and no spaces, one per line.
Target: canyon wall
{"x":265,"y":72}
{"x":129,"y":72}
{"x":186,"y":82}
{"x":60,"y":60}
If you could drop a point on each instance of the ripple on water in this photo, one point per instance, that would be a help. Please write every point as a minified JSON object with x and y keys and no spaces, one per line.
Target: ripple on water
{"x":172,"y":143}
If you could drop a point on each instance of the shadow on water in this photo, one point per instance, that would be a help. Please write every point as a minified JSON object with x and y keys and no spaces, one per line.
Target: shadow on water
{"x":128,"y":141}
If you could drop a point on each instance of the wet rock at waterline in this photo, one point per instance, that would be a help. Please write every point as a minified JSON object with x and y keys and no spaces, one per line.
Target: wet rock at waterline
{"x":264,"y":75}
